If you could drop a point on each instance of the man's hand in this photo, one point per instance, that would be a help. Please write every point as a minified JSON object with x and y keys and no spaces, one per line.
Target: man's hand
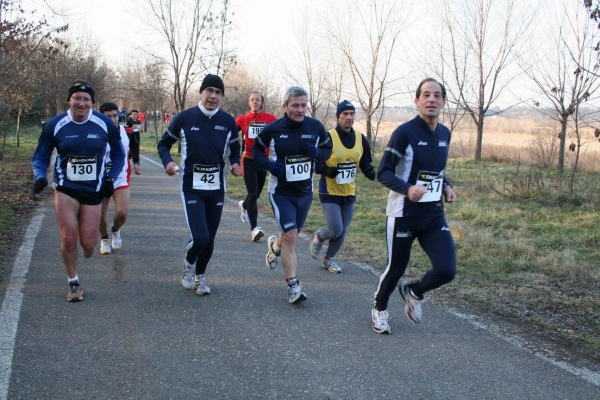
{"x":108,"y":188}
{"x":137,"y":168}
{"x":449,"y":194}
{"x":330,"y":172}
{"x":415,"y":192}
{"x":39,"y":185}
{"x":370,"y":174}
{"x":276,"y":169}
{"x":311,"y":150}
{"x":236,"y":170}
{"x":172,"y":168}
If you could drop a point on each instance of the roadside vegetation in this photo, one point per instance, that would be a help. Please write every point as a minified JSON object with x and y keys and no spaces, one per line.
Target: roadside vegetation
{"x":527,"y":250}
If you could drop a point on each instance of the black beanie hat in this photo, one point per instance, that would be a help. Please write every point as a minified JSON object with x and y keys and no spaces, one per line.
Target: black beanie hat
{"x":108,"y":106}
{"x":211,"y":80}
{"x":82,"y":88}
{"x":344,"y":106}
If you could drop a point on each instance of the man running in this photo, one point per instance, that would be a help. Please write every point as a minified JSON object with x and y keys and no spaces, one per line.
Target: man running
{"x":337,"y":186}
{"x":121,"y":195}
{"x":82,"y":138}
{"x":206,"y":133}
{"x":412,"y":167}
{"x":251,"y":125}
{"x":295,"y":142}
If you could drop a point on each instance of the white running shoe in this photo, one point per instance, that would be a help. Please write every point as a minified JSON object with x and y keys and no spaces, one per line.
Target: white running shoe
{"x":331,"y":266}
{"x":105,"y":246}
{"x":412,"y":306}
{"x":257,"y":233}
{"x":315,"y":247}
{"x":296,"y":294}
{"x":117,"y":243}
{"x":272,"y":255}
{"x":188,"y":280}
{"x":201,"y":287}
{"x":243,"y":212}
{"x":380,"y":321}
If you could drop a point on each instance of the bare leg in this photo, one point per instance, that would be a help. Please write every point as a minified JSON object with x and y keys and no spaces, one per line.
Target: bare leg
{"x":103,"y":224}
{"x":289,"y":262}
{"x":67,"y":209}
{"x":121,"y":199}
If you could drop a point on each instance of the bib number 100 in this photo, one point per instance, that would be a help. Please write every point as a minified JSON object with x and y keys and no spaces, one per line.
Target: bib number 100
{"x":300,"y":168}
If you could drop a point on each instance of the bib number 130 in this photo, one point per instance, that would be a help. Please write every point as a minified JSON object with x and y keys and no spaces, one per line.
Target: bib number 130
{"x":81,"y":168}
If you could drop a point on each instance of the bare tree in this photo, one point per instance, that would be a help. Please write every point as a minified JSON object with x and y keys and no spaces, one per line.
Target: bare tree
{"x":483,"y":41}
{"x":194,"y":33}
{"x":313,"y":65}
{"x":562,"y":68}
{"x":367,"y":34}
{"x":240,"y":82}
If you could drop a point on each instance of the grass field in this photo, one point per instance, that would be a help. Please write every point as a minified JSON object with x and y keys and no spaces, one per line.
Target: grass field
{"x":527,"y":250}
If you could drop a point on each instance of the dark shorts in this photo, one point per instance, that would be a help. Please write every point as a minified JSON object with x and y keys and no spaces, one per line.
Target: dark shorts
{"x":82,"y":196}
{"x":290,"y":211}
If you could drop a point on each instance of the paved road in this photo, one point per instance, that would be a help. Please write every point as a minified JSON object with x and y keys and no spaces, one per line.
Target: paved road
{"x":139,"y":335}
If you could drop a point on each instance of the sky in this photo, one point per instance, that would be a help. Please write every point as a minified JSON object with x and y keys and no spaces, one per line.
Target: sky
{"x":262,"y":32}
{"x":116,"y":27}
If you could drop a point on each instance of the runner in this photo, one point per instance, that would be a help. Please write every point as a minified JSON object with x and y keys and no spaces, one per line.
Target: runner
{"x":251,"y":125}
{"x":295,"y":142}
{"x":337,"y":186}
{"x":206,"y":133}
{"x":81,"y":137}
{"x":413,"y":167}
{"x":121,"y":184}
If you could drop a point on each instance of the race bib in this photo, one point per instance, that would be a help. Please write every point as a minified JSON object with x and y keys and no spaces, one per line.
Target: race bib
{"x":297,"y":168}
{"x":433,"y":182}
{"x":206,"y":177}
{"x":347,"y":173}
{"x":81,"y":168}
{"x":136,"y":128}
{"x":255,"y":129}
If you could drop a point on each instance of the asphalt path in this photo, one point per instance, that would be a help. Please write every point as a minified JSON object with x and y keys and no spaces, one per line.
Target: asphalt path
{"x":139,"y":335}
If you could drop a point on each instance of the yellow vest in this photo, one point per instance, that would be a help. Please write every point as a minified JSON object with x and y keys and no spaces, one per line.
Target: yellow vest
{"x":346,"y":160}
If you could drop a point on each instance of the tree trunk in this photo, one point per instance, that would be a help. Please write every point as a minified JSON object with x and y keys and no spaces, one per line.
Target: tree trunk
{"x":19,"y":112}
{"x":369,"y":128}
{"x":563,"y":141}
{"x":479,"y":143}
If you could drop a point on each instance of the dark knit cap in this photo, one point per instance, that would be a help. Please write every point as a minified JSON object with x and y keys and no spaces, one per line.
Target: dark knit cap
{"x":108,"y":106}
{"x":81,"y":88}
{"x":343,"y":106}
{"x":211,"y":80}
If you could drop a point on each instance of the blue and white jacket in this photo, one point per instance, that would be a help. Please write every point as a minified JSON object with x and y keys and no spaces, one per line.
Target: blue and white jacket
{"x":414,"y":148}
{"x":286,"y":140}
{"x":82,"y":149}
{"x":205,"y":142}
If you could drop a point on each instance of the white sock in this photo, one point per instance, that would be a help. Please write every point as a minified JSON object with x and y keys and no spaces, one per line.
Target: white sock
{"x":75,"y":279}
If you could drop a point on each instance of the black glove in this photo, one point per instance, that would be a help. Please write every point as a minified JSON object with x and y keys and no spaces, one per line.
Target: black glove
{"x":311,"y":150}
{"x":39,"y":185}
{"x":370,"y":174}
{"x":276,"y":169}
{"x":330,"y":172}
{"x":108,"y":188}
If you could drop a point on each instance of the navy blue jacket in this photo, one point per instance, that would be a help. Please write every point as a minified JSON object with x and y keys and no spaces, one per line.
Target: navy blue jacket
{"x":286,"y":138}
{"x":412,"y":148}
{"x":205,"y":141}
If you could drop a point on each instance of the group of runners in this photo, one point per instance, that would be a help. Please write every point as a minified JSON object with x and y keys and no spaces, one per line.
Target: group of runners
{"x":93,"y":165}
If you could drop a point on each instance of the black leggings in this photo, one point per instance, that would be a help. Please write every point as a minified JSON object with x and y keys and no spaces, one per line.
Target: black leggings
{"x":254,"y":177}
{"x":203,"y":215}
{"x":435,"y":239}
